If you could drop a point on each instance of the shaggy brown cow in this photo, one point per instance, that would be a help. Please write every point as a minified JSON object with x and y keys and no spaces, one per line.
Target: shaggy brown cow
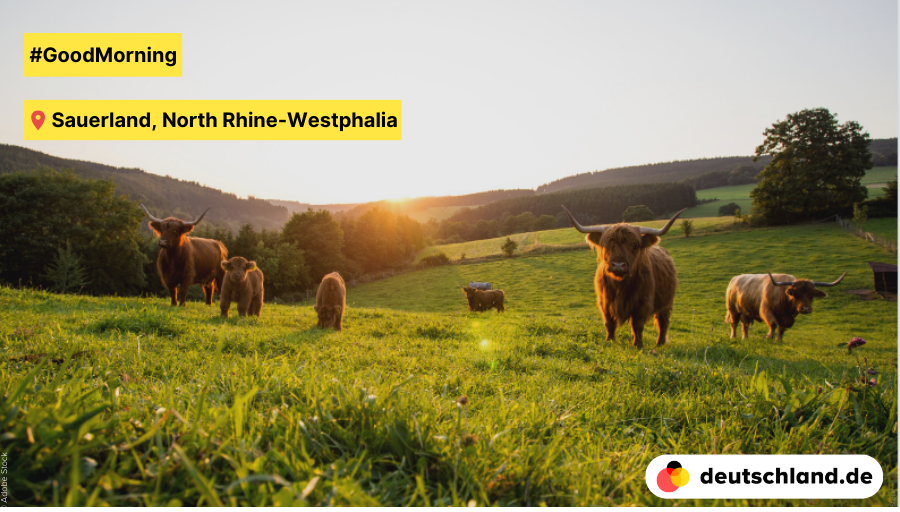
{"x":635,"y":278}
{"x":185,"y":261}
{"x":243,"y":283}
{"x":483,"y":300}
{"x":331,"y":301}
{"x":760,"y":298}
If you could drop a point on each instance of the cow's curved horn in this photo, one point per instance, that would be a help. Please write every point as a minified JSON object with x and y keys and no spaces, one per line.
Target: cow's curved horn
{"x":198,"y":219}
{"x":150,"y":216}
{"x":579,"y":227}
{"x":783,"y":283}
{"x":817,"y":283}
{"x":662,"y":231}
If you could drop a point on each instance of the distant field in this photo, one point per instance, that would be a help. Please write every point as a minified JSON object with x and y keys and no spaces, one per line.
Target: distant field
{"x":439,"y":213}
{"x":886,"y":227}
{"x":875,"y":180}
{"x":556,"y":237}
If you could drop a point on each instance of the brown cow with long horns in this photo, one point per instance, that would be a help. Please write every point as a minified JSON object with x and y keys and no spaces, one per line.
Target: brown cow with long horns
{"x":635,"y":279}
{"x":762,"y":298}
{"x":184,"y":261}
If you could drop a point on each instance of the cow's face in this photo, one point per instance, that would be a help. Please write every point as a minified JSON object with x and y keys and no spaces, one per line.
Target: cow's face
{"x":469,"y":291}
{"x":238,"y":268}
{"x":171,"y":231}
{"x":328,"y":315}
{"x":619,"y":248}
{"x":801,"y":295}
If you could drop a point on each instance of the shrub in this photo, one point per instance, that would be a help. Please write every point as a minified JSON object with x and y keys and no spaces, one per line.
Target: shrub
{"x":436,"y":259}
{"x":687,"y":227}
{"x":638,"y":213}
{"x":729,"y":209}
{"x":509,"y":247}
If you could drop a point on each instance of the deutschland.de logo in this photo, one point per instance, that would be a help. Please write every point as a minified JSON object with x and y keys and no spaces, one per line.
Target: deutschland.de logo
{"x":672,"y":477}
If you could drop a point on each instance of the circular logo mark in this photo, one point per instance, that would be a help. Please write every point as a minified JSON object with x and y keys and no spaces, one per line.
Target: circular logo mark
{"x":673,"y":477}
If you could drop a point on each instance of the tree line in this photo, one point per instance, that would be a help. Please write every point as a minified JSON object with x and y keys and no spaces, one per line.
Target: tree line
{"x":591,"y":205}
{"x":448,"y":232}
{"x":64,"y":233}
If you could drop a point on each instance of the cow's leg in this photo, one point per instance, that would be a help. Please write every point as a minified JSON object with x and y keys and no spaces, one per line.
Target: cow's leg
{"x":745,"y":328}
{"x":733,"y":318}
{"x":637,"y":329}
{"x":781,"y":330}
{"x":243,"y":305}
{"x":208,"y":293}
{"x":662,"y":324}
{"x":772,"y":322}
{"x":224,"y":303}
{"x":182,"y":293}
{"x":173,"y":292}
{"x":611,"y":326}
{"x":256,"y":305}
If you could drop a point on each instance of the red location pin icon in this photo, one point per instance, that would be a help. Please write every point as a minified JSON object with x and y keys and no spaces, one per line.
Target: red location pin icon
{"x":37,"y":118}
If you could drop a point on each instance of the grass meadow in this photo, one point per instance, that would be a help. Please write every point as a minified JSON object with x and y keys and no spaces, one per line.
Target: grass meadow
{"x":566,"y":238}
{"x":176,"y":406}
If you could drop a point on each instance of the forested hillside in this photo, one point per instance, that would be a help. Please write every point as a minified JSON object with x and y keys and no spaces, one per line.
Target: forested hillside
{"x":298,"y":207}
{"x":163,"y":195}
{"x":592,"y":205}
{"x":408,"y":206}
{"x":702,"y":173}
{"x":649,"y":173}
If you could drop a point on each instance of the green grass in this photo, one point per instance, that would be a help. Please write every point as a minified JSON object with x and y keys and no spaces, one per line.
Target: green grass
{"x":885,"y":227}
{"x":875,"y":180}
{"x":177,"y":406}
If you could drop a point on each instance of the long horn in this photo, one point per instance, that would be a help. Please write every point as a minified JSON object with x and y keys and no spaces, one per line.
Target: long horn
{"x":664,"y":229}
{"x":579,"y":227}
{"x":151,"y":216}
{"x":776,"y":283}
{"x":198,"y":219}
{"x":817,"y":283}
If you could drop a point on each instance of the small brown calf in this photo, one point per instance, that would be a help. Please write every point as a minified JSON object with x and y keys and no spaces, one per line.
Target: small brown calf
{"x":243,"y":283}
{"x":331,"y":301}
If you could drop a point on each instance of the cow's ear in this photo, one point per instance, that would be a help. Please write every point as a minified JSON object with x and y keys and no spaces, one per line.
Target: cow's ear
{"x":226,"y":265}
{"x":155,"y":226}
{"x":251,"y":266}
{"x":790,"y":291}
{"x":649,"y":241}
{"x":819,"y":294}
{"x":594,"y":239}
{"x":187,"y":228}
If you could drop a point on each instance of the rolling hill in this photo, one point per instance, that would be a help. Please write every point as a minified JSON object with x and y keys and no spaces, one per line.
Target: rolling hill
{"x":163,"y":195}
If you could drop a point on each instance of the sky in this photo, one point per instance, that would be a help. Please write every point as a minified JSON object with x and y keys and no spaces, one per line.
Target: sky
{"x":496,"y":95}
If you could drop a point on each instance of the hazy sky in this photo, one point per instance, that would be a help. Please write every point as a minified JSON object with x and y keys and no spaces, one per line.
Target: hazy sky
{"x":495,"y":94}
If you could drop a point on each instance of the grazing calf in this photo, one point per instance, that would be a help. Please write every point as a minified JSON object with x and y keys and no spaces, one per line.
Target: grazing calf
{"x":331,"y":301}
{"x":760,"y":298}
{"x":480,"y":300}
{"x":184,"y":261}
{"x":243,"y":283}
